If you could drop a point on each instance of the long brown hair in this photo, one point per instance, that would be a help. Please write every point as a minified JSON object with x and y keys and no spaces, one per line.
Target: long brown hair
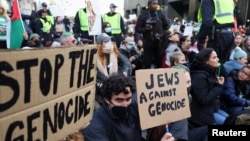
{"x":101,"y":55}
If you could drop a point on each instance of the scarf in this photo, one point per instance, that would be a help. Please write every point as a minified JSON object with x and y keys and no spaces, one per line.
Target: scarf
{"x":113,"y":65}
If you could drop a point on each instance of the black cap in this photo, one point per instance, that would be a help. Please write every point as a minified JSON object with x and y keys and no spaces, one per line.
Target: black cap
{"x":150,"y":1}
{"x":44,"y":4}
{"x":112,"y":5}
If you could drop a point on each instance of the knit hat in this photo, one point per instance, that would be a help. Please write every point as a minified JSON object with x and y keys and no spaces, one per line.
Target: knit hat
{"x":33,"y":35}
{"x":102,"y":38}
{"x":238,"y":53}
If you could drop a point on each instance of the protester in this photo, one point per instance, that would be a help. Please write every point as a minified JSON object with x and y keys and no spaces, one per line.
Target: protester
{"x":205,"y":90}
{"x":139,"y":42}
{"x":34,"y":41}
{"x":239,"y":60}
{"x":117,"y":119}
{"x":236,"y":94}
{"x":130,"y":50}
{"x":109,"y":61}
{"x":67,"y":39}
{"x":61,"y":25}
{"x":185,"y":45}
{"x":237,"y":43}
{"x":152,"y":23}
{"x":169,"y":45}
{"x":106,"y":28}
{"x":177,"y":58}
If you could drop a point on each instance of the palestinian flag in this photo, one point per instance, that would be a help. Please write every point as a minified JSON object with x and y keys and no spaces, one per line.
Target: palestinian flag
{"x":17,"y":28}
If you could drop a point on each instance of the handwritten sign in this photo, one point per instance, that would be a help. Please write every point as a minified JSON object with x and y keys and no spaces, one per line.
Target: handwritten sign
{"x":162,"y":96}
{"x":46,"y":92}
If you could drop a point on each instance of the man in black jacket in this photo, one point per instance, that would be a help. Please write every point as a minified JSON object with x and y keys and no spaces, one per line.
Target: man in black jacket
{"x":151,"y":24}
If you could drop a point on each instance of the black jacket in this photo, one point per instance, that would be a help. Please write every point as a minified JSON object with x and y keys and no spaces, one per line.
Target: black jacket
{"x":159,"y":21}
{"x":205,"y":95}
{"x":105,"y":126}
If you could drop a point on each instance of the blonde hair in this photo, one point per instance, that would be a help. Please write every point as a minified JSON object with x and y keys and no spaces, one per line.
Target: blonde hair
{"x":101,"y":55}
{"x":5,"y":5}
{"x":175,"y":56}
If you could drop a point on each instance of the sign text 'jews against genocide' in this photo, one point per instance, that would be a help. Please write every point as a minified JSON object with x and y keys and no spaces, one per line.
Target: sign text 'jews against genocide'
{"x":162,"y":96}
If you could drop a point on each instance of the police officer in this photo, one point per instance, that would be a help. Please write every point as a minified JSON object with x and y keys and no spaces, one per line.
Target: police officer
{"x":49,"y":15}
{"x":80,"y":27}
{"x":152,"y":23}
{"x":217,"y":18}
{"x":44,"y":29}
{"x":117,"y":24}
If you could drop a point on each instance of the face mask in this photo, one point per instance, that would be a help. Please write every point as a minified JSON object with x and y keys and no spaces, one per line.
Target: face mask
{"x":188,"y":89}
{"x":108,"y":48}
{"x":129,"y":47}
{"x":120,"y":111}
{"x":107,"y":29}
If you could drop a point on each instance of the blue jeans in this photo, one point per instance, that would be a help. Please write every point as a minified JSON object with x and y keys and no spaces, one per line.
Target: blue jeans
{"x":220,"y":116}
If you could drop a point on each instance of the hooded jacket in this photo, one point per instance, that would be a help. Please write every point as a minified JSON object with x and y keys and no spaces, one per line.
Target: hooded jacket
{"x":205,"y":93}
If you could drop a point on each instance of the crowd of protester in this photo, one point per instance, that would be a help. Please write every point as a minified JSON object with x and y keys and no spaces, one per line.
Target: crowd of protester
{"x":216,"y":89}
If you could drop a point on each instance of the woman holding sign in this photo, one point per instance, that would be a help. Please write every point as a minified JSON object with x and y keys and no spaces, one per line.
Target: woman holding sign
{"x":205,"y":90}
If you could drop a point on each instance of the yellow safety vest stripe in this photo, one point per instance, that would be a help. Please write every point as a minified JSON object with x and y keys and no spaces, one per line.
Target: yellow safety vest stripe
{"x":50,"y":18}
{"x":83,"y":20}
{"x":46,"y":26}
{"x":115,"y":22}
{"x":223,"y":13}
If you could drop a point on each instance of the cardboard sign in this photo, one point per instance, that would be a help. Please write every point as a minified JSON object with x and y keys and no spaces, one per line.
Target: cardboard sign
{"x":162,"y":96}
{"x":50,"y":121}
{"x":46,"y":94}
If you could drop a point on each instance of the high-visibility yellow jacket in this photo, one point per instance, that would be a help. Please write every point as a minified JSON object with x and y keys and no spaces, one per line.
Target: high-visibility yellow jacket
{"x":83,"y":18}
{"x":115,"y":22}
{"x":224,"y":11}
